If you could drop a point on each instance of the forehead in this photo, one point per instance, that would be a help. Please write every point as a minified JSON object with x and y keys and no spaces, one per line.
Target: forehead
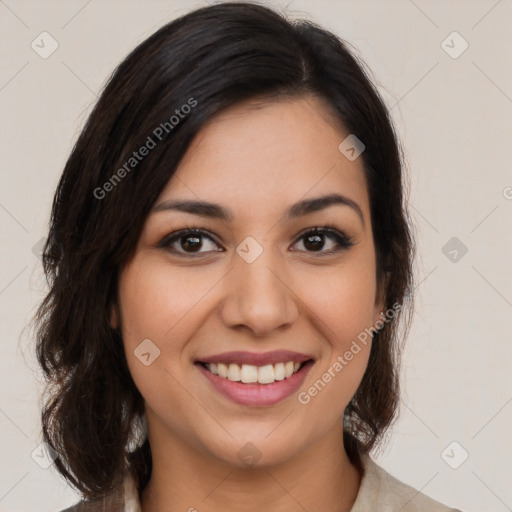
{"x":259,"y":156}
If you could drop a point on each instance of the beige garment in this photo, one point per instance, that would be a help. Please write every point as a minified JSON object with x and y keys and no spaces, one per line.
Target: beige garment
{"x":382,"y":492}
{"x":379,"y":492}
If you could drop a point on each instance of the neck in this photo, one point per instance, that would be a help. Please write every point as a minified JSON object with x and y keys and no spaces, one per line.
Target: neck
{"x":320,"y":478}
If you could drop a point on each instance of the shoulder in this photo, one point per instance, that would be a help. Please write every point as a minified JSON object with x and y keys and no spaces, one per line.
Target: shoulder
{"x":381,"y":491}
{"x":82,"y":506}
{"x":100,"y":505}
{"x":115,"y":501}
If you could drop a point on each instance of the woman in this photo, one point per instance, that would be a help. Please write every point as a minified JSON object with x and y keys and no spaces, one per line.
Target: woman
{"x":228,"y":257}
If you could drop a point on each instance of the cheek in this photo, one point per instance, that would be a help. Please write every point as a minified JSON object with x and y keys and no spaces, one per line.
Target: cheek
{"x":342,"y":300}
{"x":154,"y":301}
{"x":342,"y":307}
{"x":157,"y":305}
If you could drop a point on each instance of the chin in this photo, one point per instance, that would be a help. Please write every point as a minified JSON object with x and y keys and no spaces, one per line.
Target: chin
{"x":255,"y":452}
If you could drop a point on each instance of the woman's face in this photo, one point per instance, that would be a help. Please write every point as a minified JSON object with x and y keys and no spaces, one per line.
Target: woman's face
{"x":255,"y":282}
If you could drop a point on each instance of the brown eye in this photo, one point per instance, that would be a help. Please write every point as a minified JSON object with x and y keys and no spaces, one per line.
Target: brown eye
{"x":189,"y":241}
{"x":314,"y":240}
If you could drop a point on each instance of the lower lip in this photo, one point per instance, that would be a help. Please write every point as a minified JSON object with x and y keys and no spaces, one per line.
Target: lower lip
{"x":257,"y":395}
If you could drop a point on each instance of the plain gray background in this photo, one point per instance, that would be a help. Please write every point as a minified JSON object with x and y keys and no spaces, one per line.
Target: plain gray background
{"x":452,"y":107}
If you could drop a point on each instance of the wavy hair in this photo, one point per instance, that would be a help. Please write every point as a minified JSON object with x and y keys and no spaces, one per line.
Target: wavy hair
{"x":217,"y":56}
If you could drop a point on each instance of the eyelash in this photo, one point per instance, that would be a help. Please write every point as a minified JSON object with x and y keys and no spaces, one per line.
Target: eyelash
{"x":344,"y":242}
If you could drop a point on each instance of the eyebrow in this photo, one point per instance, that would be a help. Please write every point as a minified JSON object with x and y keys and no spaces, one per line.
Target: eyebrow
{"x":216,"y":211}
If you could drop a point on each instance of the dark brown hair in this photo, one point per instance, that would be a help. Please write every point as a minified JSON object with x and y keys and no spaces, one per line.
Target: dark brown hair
{"x":211,"y":58}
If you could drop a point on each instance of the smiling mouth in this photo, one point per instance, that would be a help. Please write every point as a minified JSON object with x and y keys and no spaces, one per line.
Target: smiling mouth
{"x":251,"y":374}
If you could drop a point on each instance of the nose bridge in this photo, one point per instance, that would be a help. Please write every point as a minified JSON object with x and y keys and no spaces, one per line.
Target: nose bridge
{"x":257,"y":297}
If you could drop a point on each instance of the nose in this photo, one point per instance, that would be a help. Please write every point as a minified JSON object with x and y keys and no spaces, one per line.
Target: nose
{"x":258,"y":298}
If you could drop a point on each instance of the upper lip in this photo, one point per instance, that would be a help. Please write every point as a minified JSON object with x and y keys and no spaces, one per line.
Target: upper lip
{"x":256,"y":359}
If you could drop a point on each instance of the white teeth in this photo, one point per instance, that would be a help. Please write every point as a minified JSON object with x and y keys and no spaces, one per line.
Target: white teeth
{"x":266,"y":374}
{"x":234,"y":372}
{"x":222,"y":369}
{"x":279,"y":371}
{"x":249,"y":373}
